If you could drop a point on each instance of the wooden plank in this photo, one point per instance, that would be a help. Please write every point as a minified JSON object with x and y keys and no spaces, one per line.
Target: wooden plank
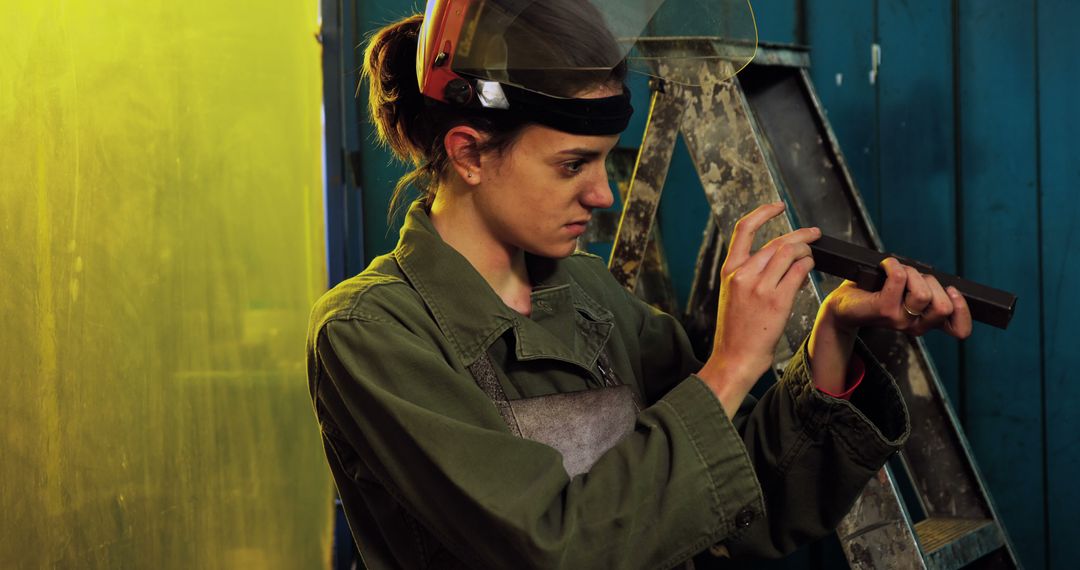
{"x":1059,"y":83}
{"x":999,"y":246}
{"x":917,"y":163}
{"x":841,"y":34}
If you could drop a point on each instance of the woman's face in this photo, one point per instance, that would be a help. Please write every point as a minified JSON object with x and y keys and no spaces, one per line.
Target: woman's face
{"x":539,"y":194}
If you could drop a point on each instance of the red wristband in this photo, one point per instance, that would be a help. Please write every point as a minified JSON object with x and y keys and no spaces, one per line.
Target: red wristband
{"x":855,"y":373}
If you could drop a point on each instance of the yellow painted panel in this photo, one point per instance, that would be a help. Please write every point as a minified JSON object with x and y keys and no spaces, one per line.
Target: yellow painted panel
{"x":160,"y":247}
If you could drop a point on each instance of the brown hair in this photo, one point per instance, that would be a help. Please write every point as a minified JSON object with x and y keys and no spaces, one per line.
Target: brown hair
{"x":405,"y":122}
{"x":414,"y":128}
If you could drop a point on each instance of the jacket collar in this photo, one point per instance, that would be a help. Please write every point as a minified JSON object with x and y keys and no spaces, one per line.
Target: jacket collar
{"x":562,"y":310}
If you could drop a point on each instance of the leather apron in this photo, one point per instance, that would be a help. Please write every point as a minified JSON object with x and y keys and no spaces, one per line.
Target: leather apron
{"x":581,"y":425}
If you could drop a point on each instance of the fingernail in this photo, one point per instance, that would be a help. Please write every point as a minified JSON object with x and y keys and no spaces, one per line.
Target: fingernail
{"x":953,"y":292}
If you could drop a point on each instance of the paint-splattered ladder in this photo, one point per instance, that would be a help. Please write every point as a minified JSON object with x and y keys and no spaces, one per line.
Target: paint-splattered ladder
{"x":761,"y":138}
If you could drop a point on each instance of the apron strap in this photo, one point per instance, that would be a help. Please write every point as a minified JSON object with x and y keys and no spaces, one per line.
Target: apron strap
{"x":611,"y":379}
{"x":483,"y":371}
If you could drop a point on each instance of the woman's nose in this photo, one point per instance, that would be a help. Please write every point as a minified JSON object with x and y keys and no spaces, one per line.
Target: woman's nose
{"x":598,"y":194}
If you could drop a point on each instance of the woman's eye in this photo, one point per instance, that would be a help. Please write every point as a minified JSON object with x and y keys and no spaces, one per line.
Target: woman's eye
{"x":573,"y":167}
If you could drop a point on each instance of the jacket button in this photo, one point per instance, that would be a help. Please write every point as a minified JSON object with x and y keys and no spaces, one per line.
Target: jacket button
{"x":744,"y":518}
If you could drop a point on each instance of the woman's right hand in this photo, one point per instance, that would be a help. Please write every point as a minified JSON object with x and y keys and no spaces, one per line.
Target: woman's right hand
{"x":756,"y":298}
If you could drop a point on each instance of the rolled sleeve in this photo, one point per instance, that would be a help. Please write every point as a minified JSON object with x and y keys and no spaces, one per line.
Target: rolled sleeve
{"x":814,"y":453}
{"x":873,"y":421}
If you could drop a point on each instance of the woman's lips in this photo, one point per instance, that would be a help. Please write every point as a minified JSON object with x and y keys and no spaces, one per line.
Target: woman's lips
{"x":577,"y":228}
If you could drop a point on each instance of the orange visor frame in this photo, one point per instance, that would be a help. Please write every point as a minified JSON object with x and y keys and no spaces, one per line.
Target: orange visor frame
{"x":439,"y":34}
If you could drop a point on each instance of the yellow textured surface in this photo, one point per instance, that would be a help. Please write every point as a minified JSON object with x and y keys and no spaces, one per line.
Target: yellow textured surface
{"x":160,"y":246}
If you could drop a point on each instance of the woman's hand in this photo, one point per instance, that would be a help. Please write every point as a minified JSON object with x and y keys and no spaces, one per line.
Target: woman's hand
{"x":910,"y":302}
{"x":756,"y":297}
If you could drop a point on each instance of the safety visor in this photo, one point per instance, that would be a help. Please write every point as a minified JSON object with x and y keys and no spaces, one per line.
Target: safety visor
{"x":566,"y":48}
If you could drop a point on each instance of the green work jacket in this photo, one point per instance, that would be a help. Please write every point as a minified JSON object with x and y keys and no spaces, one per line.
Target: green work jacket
{"x":431,"y":477}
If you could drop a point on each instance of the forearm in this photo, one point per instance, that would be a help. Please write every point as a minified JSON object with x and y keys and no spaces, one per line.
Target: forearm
{"x":829,"y":349}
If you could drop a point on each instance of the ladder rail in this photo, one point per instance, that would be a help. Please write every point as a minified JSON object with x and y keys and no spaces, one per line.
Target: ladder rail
{"x":730,"y":135}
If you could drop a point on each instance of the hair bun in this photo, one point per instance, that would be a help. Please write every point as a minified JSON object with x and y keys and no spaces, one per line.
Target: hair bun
{"x":394,"y":98}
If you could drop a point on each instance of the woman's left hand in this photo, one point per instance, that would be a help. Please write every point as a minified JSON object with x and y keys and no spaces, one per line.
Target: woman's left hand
{"x":910,"y":302}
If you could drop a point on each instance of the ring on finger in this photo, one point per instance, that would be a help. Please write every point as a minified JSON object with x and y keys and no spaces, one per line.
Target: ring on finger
{"x":909,"y":311}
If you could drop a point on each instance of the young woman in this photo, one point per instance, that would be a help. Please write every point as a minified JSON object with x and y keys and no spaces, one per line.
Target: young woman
{"x":488,"y":397}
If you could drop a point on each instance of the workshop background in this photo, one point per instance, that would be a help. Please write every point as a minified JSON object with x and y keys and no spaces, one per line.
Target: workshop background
{"x":180,"y":181}
{"x":161,"y":245}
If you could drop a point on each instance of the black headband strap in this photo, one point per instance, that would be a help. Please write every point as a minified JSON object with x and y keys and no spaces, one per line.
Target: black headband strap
{"x":598,"y":117}
{"x":601,"y":116}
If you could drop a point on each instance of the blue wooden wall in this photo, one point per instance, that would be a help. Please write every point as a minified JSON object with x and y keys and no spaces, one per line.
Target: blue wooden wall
{"x":997,"y":229}
{"x":962,"y":147}
{"x":1057,"y":95}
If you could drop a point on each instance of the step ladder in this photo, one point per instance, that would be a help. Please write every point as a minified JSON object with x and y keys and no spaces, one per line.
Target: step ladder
{"x":762,"y":137}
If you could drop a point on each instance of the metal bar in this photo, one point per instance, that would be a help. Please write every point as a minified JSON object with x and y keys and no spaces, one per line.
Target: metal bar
{"x":863,"y":266}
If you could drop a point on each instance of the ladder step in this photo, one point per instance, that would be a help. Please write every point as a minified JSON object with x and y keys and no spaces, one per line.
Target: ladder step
{"x":953,"y":543}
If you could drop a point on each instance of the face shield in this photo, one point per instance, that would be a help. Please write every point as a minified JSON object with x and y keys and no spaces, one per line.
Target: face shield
{"x":563,"y":63}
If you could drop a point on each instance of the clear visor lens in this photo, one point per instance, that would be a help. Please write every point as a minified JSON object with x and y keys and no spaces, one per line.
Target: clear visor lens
{"x":565,"y":48}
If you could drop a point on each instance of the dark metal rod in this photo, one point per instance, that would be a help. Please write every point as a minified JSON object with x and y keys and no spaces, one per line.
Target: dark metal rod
{"x":863,"y":266}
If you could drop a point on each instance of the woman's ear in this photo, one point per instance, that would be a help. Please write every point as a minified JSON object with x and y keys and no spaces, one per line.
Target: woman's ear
{"x":463,"y":149}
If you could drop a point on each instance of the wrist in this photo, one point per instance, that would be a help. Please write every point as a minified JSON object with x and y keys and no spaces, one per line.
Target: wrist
{"x":727,"y":383}
{"x":831,"y":317}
